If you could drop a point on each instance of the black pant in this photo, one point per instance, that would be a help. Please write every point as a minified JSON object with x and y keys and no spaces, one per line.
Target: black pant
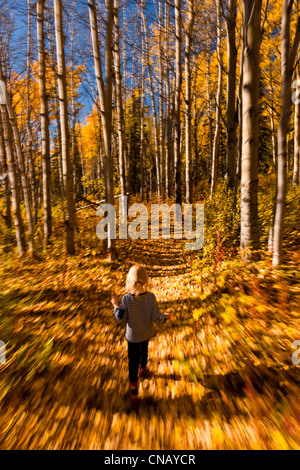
{"x":137,"y":354}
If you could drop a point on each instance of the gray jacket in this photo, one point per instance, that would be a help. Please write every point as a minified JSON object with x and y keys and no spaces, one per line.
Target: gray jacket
{"x":139,"y":314}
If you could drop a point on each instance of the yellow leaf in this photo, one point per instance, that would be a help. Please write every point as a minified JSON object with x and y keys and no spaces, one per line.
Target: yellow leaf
{"x":198,"y":312}
{"x":279,"y":441}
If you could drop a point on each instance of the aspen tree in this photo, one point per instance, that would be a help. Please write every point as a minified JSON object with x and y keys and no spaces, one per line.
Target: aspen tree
{"x":46,"y":169}
{"x":67,"y":163}
{"x":188,"y":106}
{"x":288,"y":57}
{"x":250,"y":94}
{"x":216,"y":142}
{"x":105,"y":98}
{"x":178,"y":78}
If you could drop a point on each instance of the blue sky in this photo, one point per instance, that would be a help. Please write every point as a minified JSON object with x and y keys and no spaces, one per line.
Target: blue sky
{"x":17,"y":11}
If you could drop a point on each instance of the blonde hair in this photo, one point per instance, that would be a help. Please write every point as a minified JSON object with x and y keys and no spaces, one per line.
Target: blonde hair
{"x":137,"y":280}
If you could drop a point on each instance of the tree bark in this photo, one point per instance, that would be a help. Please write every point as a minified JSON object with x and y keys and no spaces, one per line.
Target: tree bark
{"x":5,"y":179}
{"x":77,"y":173}
{"x":64,"y":126}
{"x":296,"y":166}
{"x":21,"y":164}
{"x":216,"y":143}
{"x":249,"y":164}
{"x":120,"y":112}
{"x":209,"y":110}
{"x":46,"y":169}
{"x":13,"y":179}
{"x":239,"y":108}
{"x":142,"y":133}
{"x":155,"y":120}
{"x":231,"y":94}
{"x":177,"y":153}
{"x":169,"y":146}
{"x":56,"y":116}
{"x":188,"y":106}
{"x":105,"y":97}
{"x":32,"y":177}
{"x":288,"y":56}
{"x":161,"y":100}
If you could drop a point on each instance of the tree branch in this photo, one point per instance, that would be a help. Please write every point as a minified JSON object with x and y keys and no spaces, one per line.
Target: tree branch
{"x":295,"y":46}
{"x":264,"y":18}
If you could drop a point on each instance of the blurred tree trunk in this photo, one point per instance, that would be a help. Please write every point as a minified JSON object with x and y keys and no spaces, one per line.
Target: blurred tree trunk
{"x":231,"y":93}
{"x":209,"y":111}
{"x":29,"y":141}
{"x":105,"y":97}
{"x":5,"y":179}
{"x":296,"y":167}
{"x":161,"y":99}
{"x":142,"y":134}
{"x":288,"y":57}
{"x":44,"y":123}
{"x":156,"y":126}
{"x":108,"y":113}
{"x":239,"y":108}
{"x":21,"y":163}
{"x":120,"y":112}
{"x":13,"y":179}
{"x":82,"y":160}
{"x":77,"y":171}
{"x":188,"y":104}
{"x":169,"y":146}
{"x":273,"y":133}
{"x":177,"y":153}
{"x":249,"y":164}
{"x":216,"y":142}
{"x":64,"y":126}
{"x":271,"y":109}
{"x":56,"y":113}
{"x":124,"y":92}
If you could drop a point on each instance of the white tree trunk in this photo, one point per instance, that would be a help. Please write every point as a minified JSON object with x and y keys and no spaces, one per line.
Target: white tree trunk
{"x":155,"y":120}
{"x":178,"y":78}
{"x":13,"y":179}
{"x":44,"y":123}
{"x":231,"y":94}
{"x":64,"y":126}
{"x":21,"y":163}
{"x":249,"y":165}
{"x":30,"y":156}
{"x":105,"y":97}
{"x":288,"y":56}
{"x":5,"y":179}
{"x":120,"y":112}
{"x":215,"y":151}
{"x":188,"y":106}
{"x":296,"y":167}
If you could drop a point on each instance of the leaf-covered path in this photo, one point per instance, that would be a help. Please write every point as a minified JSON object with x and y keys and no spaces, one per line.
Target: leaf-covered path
{"x":222,"y":375}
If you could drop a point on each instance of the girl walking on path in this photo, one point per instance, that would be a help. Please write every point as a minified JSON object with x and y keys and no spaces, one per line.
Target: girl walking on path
{"x":138,"y":310}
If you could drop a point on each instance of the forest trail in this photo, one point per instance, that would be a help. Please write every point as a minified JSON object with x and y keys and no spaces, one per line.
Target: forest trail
{"x":67,"y":384}
{"x":84,"y":388}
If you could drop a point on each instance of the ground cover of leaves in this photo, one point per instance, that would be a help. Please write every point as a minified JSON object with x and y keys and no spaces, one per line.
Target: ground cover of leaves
{"x":222,"y":370}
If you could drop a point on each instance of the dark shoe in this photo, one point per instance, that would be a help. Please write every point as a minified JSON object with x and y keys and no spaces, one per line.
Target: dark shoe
{"x":134,"y":401}
{"x":144,"y":372}
{"x":134,"y":395}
